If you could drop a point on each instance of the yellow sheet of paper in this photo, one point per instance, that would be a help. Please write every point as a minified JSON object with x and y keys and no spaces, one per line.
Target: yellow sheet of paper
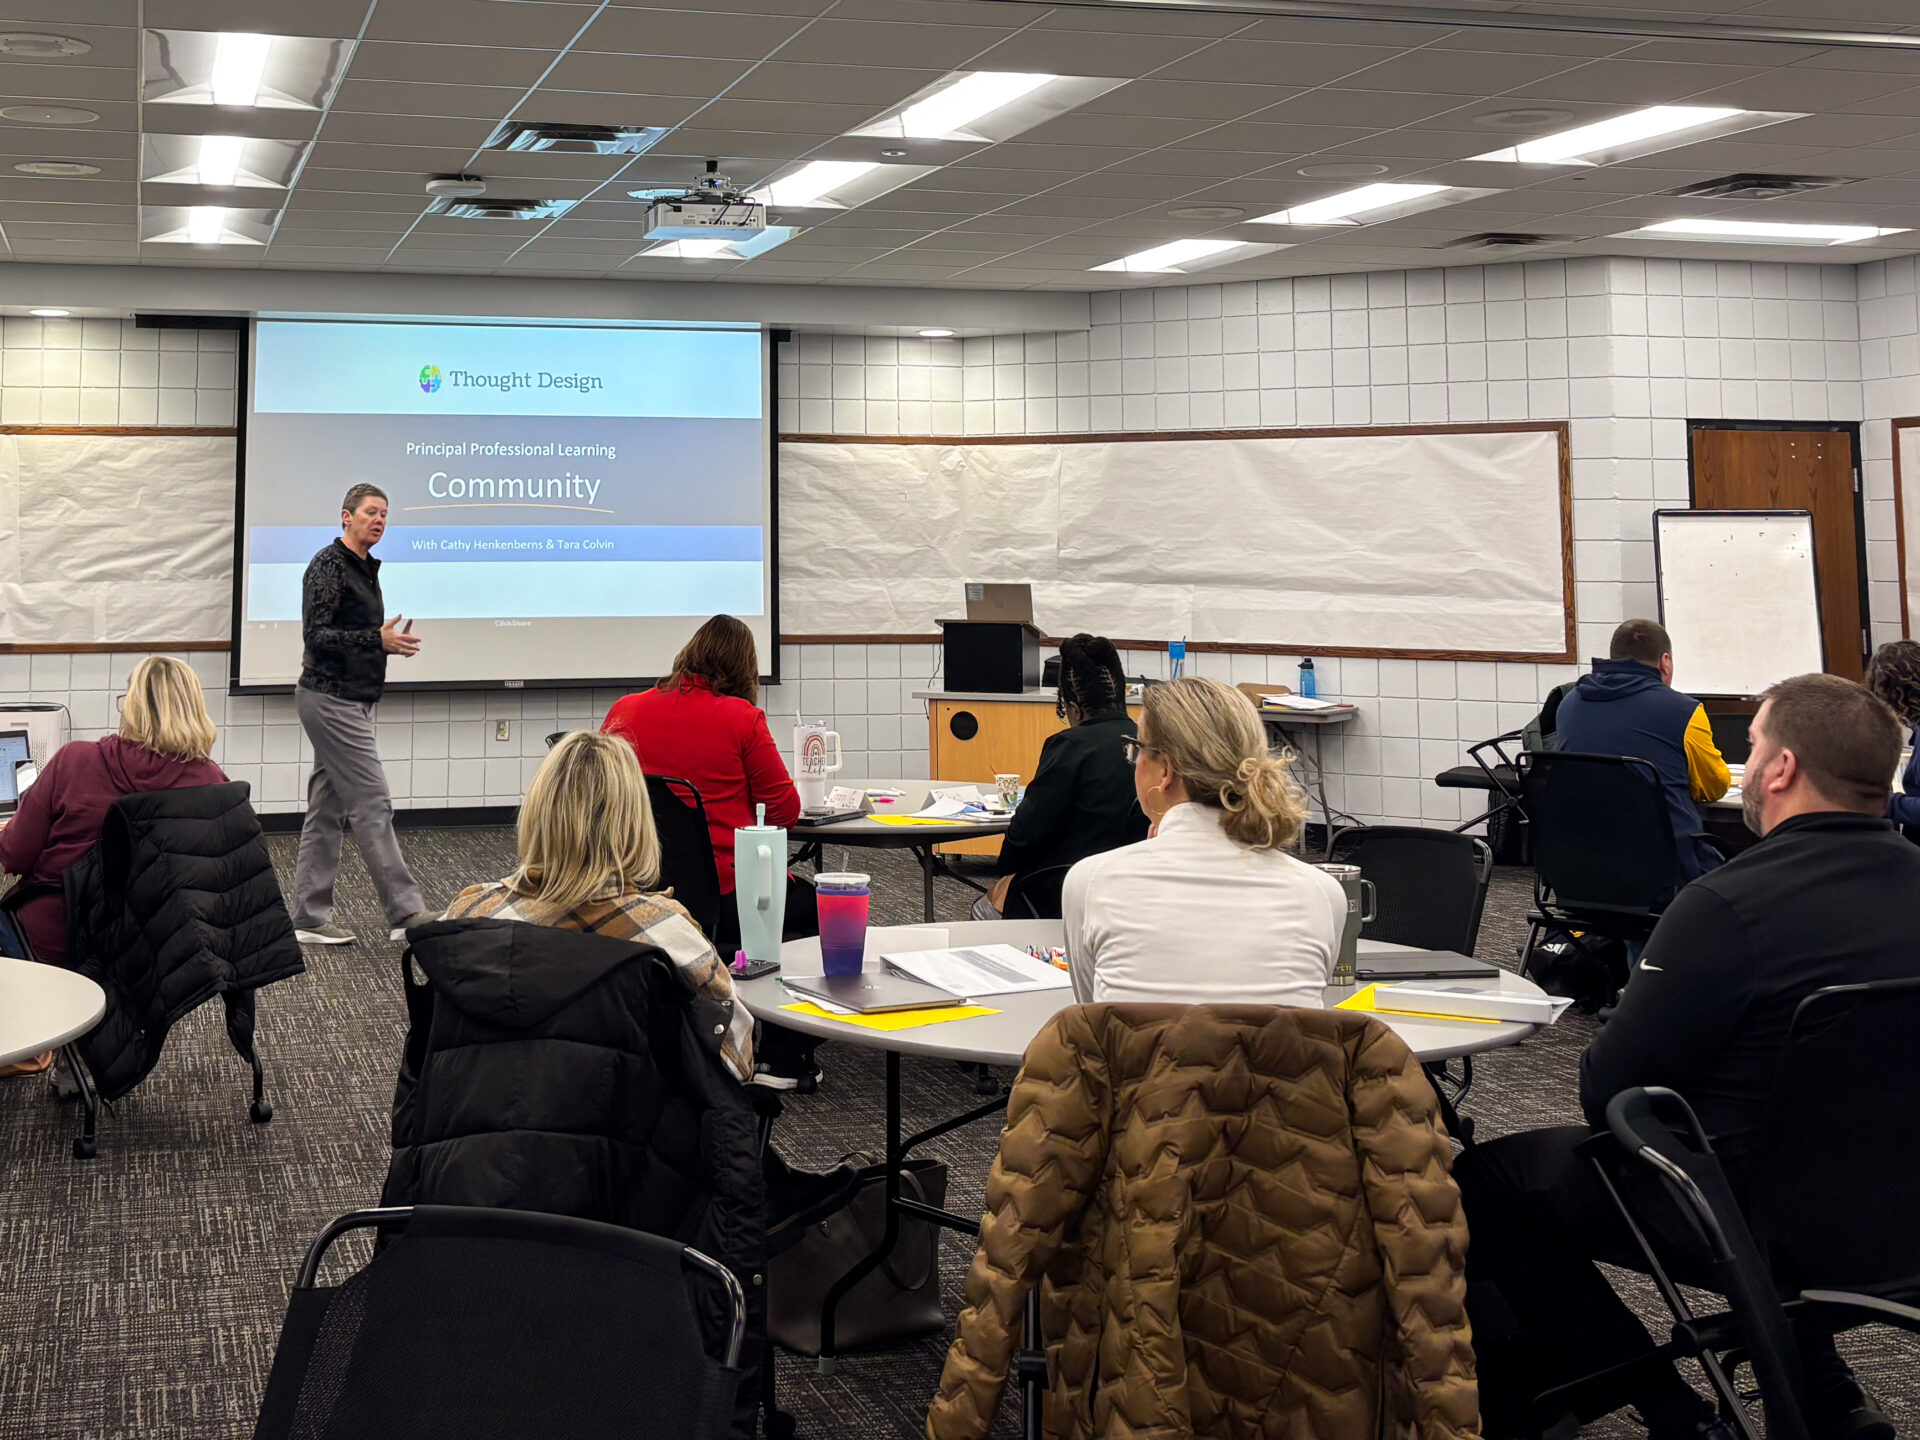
{"x":895,"y":1019}
{"x":1365,"y":999}
{"x":916,"y":820}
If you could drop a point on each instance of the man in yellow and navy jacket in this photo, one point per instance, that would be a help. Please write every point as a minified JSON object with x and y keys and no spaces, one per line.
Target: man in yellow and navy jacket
{"x":1628,"y":706}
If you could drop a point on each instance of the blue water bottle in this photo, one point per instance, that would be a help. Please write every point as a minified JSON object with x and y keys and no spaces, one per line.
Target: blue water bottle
{"x":1306,"y":679}
{"x":1177,"y":658}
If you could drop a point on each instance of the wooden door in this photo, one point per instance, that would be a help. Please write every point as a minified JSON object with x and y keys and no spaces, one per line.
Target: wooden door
{"x":1798,"y":470}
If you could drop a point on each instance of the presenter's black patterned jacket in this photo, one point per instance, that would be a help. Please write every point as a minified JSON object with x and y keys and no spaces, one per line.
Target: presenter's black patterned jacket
{"x":341,"y":613}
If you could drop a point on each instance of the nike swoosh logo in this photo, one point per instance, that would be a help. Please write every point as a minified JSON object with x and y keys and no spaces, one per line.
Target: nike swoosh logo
{"x":1645,"y":966}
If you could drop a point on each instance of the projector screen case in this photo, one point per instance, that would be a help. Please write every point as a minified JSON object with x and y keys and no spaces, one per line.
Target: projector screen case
{"x":567,"y":503}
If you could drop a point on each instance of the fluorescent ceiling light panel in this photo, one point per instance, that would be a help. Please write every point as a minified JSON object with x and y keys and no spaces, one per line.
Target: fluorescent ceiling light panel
{"x":744,"y":249}
{"x":836,"y":184}
{"x":1182,"y":257}
{"x":1637,"y":133}
{"x":219,"y":162}
{"x":984,"y":106}
{"x":1759,"y":232}
{"x":204,"y":225}
{"x":239,"y":67}
{"x":1346,"y":207}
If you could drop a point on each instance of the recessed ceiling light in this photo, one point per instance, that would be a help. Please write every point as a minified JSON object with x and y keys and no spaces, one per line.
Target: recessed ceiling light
{"x":56,"y":168}
{"x":1206,"y":212}
{"x":206,"y":224}
{"x":219,"y":159}
{"x":1759,"y":232}
{"x":239,"y":66}
{"x":1180,"y":257}
{"x":1637,"y":133}
{"x":893,"y":154}
{"x":708,"y":249}
{"x":985,"y":105}
{"x":836,"y":184}
{"x":1343,"y":170}
{"x":49,"y":115}
{"x":31,"y":45}
{"x":935,"y":334}
{"x":1346,"y":207}
{"x":1527,"y":119}
{"x":50,"y":314}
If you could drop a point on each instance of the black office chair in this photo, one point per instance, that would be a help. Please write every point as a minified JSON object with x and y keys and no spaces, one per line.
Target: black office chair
{"x":499,"y":1324}
{"x":1430,"y":885}
{"x":1826,"y":1239}
{"x":1035,"y":895}
{"x":554,"y":737}
{"x":1604,"y":858}
{"x":686,"y":849}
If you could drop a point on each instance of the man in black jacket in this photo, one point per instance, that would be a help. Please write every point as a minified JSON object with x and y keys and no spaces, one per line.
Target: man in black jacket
{"x":343,"y":672}
{"x":1824,"y":899}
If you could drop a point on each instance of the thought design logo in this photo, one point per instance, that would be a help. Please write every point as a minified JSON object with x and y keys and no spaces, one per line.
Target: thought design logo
{"x":429,"y":378}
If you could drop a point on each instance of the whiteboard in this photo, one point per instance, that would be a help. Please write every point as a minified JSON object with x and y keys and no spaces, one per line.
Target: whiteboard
{"x":1739,"y":598}
{"x":115,"y":537}
{"x":1906,"y":494}
{"x":1448,"y":541}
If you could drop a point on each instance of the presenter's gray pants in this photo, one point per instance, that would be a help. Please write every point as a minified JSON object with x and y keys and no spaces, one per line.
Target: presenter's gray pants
{"x":348,"y":784}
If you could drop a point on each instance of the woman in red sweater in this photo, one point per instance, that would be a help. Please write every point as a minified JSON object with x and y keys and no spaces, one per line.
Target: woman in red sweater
{"x":703,"y":724}
{"x":165,"y":741}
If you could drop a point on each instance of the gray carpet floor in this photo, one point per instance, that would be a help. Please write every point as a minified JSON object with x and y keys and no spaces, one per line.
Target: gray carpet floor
{"x":141,"y":1293}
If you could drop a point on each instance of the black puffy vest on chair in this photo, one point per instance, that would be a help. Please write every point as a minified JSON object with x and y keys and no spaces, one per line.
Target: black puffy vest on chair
{"x":552,"y":1070}
{"x":175,"y":903}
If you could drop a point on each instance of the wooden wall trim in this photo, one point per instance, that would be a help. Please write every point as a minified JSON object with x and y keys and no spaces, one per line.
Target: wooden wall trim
{"x":110,"y":647}
{"x":1904,"y":422}
{"x":1495,"y":427}
{"x":229,"y":430}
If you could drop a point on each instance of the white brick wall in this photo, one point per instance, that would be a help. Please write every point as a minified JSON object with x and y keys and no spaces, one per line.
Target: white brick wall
{"x":1628,"y":350}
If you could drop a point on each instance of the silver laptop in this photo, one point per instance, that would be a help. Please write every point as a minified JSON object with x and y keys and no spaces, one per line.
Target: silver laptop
{"x":1000,"y":604}
{"x":870,"y":992}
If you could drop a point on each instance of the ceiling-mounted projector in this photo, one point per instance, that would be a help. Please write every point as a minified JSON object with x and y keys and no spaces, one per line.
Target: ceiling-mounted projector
{"x":709,"y":209}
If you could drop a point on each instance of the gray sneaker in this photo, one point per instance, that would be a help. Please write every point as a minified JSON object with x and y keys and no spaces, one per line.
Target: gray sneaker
{"x":324,"y":935}
{"x":419,"y":917}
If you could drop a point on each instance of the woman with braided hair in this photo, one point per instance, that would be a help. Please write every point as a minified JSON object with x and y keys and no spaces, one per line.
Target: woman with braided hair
{"x":1080,"y":800}
{"x":1894,"y":675}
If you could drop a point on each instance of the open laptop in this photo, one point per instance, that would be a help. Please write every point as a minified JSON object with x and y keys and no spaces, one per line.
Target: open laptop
{"x":14,"y":753}
{"x":1421,"y":965}
{"x":999,"y":604}
{"x":870,"y":992}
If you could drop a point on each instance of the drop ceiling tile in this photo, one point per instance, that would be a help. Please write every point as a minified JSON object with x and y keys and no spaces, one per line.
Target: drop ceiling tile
{"x":484,"y":236}
{"x":46,"y":81}
{"x":1249,"y":62}
{"x":19,"y":230}
{"x":1372,"y":110}
{"x":1199,"y":166}
{"x":881,"y":86}
{"x":69,"y":212}
{"x":1166,"y":99}
{"x":1466,"y":73}
{"x":418,"y":160}
{"x":700,"y":140}
{"x":352,"y":202}
{"x":33,"y":142}
{"x":646,"y":75}
{"x":1138,"y":131}
{"x":1847,"y":130}
{"x":1799,"y":89}
{"x":331,"y":19}
{"x":389,"y":97}
{"x":836,"y":41}
{"x":1264,"y":143}
{"x":114,"y":116}
{"x":520,"y":24}
{"x":449,"y":64}
{"x":559,"y":264}
{"x":107,"y":14}
{"x":1067,"y":159}
{"x":769,"y":117}
{"x":432,"y":131}
{"x":748,"y":36}
{"x":1569,"y":43}
{"x":346,"y":257}
{"x":1628,"y":83}
{"x":1060,"y":52}
{"x":1901,"y":103}
{"x":296,"y":126}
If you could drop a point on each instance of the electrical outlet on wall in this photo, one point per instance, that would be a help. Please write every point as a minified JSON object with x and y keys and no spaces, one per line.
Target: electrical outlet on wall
{"x":501,"y":729}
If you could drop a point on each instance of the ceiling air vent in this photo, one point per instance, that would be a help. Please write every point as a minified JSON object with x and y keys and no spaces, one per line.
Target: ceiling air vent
{"x":1759,"y":187}
{"x":577,"y":139}
{"x":1502,"y":240}
{"x":491,"y":209}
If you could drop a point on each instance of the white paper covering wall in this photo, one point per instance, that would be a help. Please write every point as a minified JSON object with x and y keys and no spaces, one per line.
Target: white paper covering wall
{"x":1738,"y":596}
{"x":1445,"y":541}
{"x":1906,"y":439}
{"x":125,"y":538}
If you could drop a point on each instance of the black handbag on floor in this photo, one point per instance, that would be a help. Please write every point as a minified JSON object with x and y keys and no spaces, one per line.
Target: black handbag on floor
{"x":897,"y":1301}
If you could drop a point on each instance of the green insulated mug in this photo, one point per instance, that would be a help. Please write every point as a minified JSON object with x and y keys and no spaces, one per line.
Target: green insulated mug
{"x":1359,"y":892}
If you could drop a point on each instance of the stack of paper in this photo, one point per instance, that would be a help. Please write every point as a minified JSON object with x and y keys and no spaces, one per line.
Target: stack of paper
{"x":980,"y":970}
{"x":1470,"y":1002}
{"x":1297,"y":702}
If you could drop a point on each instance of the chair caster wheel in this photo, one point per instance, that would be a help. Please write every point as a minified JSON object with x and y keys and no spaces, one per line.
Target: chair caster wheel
{"x":84,"y":1149}
{"x":260,"y":1112}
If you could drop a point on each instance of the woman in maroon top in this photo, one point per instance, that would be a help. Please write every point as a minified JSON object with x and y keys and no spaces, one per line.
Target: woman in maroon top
{"x":703,"y":724}
{"x":165,"y":741}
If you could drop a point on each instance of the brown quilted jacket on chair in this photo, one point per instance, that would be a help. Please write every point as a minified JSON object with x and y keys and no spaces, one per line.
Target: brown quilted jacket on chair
{"x":1243,"y":1223}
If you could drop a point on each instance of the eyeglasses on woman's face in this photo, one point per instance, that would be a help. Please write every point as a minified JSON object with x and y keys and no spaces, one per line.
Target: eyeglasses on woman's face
{"x":1133,"y":749}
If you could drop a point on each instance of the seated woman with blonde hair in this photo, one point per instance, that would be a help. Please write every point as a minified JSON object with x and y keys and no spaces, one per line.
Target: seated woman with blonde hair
{"x":1211,"y":909}
{"x":589,"y":855}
